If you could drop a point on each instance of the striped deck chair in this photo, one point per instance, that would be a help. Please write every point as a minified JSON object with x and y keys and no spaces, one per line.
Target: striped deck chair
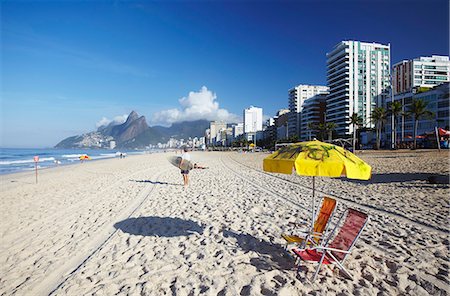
{"x":320,"y":225}
{"x":336,"y":251}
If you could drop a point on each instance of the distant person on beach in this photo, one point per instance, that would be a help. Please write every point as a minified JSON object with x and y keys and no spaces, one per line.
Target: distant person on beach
{"x":185,"y":157}
{"x":198,"y":166}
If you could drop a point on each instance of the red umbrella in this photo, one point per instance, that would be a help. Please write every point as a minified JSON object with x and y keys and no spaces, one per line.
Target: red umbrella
{"x":443,"y":132}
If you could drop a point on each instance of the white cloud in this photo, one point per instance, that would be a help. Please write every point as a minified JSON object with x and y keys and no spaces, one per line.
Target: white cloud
{"x":117,"y":120}
{"x":120,"y":118}
{"x":197,"y":105}
{"x":102,"y":122}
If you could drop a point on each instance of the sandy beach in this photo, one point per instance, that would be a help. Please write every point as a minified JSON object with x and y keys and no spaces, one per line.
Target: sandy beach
{"x":127,"y":227}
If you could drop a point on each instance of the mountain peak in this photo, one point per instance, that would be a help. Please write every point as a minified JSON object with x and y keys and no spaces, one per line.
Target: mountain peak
{"x":132,"y":117}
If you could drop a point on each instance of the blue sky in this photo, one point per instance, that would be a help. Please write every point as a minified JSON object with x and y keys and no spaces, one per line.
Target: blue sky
{"x":68,"y":65}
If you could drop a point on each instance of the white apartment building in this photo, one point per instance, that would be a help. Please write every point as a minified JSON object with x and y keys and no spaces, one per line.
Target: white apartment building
{"x":238,"y":129}
{"x":420,"y":72}
{"x":214,"y":128}
{"x":297,"y":96}
{"x":313,"y":113}
{"x":358,"y":75}
{"x":253,"y":119}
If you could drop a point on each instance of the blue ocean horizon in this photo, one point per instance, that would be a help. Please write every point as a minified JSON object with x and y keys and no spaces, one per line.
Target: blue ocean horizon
{"x":14,"y":160}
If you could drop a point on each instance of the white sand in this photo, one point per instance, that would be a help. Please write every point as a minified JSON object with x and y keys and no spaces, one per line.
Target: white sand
{"x":127,"y":227}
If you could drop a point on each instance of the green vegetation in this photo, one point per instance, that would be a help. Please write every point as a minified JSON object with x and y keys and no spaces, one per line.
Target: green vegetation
{"x":418,"y":109}
{"x":379,"y":118}
{"x":355,"y":121}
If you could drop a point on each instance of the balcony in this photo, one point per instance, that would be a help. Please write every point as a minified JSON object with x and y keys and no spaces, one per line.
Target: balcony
{"x":333,"y":74}
{"x":337,"y":54}
{"x":338,"y":97}
{"x":342,"y":79}
{"x":338,"y":89}
{"x":338,"y":107}
{"x":342,"y":60}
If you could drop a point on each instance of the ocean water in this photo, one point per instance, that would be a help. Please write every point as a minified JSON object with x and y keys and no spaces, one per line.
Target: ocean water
{"x":13,"y":160}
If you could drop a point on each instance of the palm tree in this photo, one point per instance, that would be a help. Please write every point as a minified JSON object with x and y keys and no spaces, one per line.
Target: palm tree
{"x":396,"y":109}
{"x":330,"y":127}
{"x":418,"y":109}
{"x":355,"y":120}
{"x":320,"y":130}
{"x":311,"y":126}
{"x":378,"y":118}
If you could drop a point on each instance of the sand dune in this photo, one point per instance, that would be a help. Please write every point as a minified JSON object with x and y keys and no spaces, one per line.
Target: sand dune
{"x":127,"y":227}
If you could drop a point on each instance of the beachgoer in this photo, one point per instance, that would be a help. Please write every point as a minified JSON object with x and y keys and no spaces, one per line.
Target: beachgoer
{"x":197,"y":166}
{"x":185,"y":156}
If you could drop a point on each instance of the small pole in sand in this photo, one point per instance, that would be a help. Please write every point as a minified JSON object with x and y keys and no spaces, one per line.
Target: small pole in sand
{"x":437,"y":138}
{"x":36,"y":160}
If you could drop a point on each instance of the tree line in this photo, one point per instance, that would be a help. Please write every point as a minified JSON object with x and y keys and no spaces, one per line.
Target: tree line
{"x":324,"y":131}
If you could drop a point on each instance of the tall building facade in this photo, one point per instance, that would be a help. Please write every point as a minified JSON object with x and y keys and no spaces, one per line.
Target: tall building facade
{"x":313,"y":114}
{"x":420,"y":72}
{"x":297,"y":96}
{"x":238,"y":129}
{"x":253,"y":119}
{"x":214,"y":128}
{"x":276,"y":126}
{"x":358,"y":75}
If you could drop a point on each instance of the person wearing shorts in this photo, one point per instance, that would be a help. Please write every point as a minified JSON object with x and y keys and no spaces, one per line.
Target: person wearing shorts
{"x":185,"y":173}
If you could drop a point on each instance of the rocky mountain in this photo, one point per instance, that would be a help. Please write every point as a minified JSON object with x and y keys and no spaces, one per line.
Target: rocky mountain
{"x":135,"y":133}
{"x":133,"y":127}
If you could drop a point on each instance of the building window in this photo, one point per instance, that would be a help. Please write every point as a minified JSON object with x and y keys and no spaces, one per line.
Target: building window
{"x":444,"y":114}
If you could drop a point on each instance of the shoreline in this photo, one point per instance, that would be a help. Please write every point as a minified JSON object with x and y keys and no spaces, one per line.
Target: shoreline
{"x":75,"y":162}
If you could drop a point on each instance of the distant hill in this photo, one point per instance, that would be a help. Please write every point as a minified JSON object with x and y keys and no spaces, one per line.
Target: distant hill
{"x":184,"y":130}
{"x":135,"y":133}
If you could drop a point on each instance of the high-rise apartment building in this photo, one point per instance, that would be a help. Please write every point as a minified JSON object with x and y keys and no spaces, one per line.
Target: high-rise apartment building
{"x":313,"y":114}
{"x":214,"y":128}
{"x":297,"y":96}
{"x":238,"y":129}
{"x":253,"y":119}
{"x":276,"y":126}
{"x":358,"y":75}
{"x":420,"y":72}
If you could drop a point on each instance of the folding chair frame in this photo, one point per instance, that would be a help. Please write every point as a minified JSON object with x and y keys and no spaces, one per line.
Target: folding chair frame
{"x":309,"y":237}
{"x":327,"y":251}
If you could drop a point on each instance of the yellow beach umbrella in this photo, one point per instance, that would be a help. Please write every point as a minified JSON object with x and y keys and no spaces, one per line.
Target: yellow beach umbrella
{"x":315,"y":158}
{"x":84,"y":157}
{"x":328,"y":160}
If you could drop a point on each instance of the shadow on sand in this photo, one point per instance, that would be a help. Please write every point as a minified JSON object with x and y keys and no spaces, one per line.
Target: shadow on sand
{"x":156,"y":182}
{"x":403,"y":177}
{"x":159,"y":226}
{"x":271,"y":256}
